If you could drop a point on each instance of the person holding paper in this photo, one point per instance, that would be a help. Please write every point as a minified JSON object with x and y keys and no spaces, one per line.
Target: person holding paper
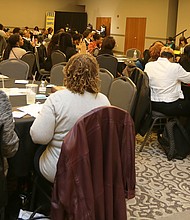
{"x":64,"y":107}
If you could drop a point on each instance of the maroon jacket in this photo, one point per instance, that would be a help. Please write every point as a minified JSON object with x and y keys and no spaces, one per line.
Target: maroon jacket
{"x":96,"y":168}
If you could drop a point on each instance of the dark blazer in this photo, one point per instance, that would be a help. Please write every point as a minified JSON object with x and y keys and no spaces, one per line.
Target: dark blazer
{"x":96,"y":167}
{"x":142,"y":108}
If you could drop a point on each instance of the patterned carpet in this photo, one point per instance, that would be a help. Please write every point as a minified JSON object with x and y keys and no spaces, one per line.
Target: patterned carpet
{"x":163,"y":187}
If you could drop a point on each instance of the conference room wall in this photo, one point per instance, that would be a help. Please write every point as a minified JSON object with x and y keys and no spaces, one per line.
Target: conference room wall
{"x":21,"y":13}
{"x":183,"y":19}
{"x":156,"y":12}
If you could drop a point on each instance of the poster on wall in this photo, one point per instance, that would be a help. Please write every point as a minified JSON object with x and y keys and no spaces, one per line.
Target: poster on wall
{"x":50,"y":19}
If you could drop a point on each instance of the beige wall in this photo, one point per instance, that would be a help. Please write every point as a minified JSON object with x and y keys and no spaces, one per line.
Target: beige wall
{"x":183,"y":18}
{"x":156,"y":13}
{"x":31,"y":13}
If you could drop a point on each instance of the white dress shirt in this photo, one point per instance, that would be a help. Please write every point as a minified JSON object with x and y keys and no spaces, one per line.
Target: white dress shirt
{"x":165,"y":80}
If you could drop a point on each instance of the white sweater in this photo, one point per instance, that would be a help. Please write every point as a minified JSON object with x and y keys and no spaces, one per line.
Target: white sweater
{"x":58,"y":115}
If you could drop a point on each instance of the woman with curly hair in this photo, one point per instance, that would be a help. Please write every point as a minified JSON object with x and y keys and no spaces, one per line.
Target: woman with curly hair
{"x":63,"y":108}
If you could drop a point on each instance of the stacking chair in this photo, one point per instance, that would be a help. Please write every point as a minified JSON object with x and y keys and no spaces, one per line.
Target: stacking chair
{"x":96,"y":167}
{"x":42,"y":72}
{"x":14,"y":68}
{"x":108,"y":62}
{"x":122,"y":93}
{"x":30,"y":59}
{"x":57,"y":56}
{"x":130,"y":53}
{"x":106,"y":79}
{"x":56,"y":74}
{"x":3,"y":190}
{"x":158,"y":119}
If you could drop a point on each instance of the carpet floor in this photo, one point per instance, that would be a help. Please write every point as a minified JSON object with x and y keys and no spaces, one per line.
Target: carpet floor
{"x":162,"y":186}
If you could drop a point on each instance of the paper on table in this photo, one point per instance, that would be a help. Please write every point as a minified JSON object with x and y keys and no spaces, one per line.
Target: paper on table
{"x":21,"y":81}
{"x":14,"y":91}
{"x":18,"y":114}
{"x":3,"y":77}
{"x":32,"y":109}
{"x":23,"y":214}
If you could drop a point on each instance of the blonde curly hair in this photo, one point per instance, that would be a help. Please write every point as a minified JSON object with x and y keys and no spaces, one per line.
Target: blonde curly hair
{"x":81,"y":74}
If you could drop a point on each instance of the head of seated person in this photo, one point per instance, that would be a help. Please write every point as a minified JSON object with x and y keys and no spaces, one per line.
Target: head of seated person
{"x":14,"y":40}
{"x":155,"y":49}
{"x":167,"y":52}
{"x":81,"y":74}
{"x":107,"y":46}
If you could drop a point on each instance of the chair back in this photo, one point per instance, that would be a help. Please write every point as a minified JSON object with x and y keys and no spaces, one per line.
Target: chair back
{"x":122,"y":93}
{"x":130,"y":53}
{"x":106,"y":79}
{"x":99,"y":152}
{"x":56,"y":74}
{"x":3,"y":190}
{"x":108,"y":62}
{"x":30,"y":59}
{"x":14,"y":68}
{"x":57,"y":56}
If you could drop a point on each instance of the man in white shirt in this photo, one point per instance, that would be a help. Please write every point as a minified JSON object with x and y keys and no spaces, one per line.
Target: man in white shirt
{"x":165,"y":79}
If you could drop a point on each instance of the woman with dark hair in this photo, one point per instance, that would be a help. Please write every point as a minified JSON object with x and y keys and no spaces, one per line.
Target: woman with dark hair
{"x":185,"y":58}
{"x":52,"y":46}
{"x":107,"y":46}
{"x":64,"y":107}
{"x":66,"y":45}
{"x":13,"y":49}
{"x":140,"y":63}
{"x":184,"y":61}
{"x":182,"y":43}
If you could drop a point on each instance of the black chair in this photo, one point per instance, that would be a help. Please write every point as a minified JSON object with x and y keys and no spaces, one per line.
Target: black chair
{"x":3,"y":190}
{"x":158,"y":119}
{"x":108,"y":62}
{"x":42,"y":72}
{"x":58,"y":56}
{"x":30,"y":59}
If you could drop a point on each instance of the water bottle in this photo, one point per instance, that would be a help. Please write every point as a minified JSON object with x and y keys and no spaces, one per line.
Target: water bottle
{"x":135,"y":54}
{"x":42,"y":87}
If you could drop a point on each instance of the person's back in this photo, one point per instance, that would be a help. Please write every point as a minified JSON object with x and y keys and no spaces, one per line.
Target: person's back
{"x":63,"y":108}
{"x":10,"y":140}
{"x":165,"y":79}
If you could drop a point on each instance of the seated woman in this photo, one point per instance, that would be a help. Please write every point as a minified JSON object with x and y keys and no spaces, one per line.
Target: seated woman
{"x":52,"y":46}
{"x":154,"y":50}
{"x":66,"y":45}
{"x":107,"y":46}
{"x":64,"y":107}
{"x":95,"y":45}
{"x":10,"y":141}
{"x":165,"y":79}
{"x":182,"y":43}
{"x":13,"y":49}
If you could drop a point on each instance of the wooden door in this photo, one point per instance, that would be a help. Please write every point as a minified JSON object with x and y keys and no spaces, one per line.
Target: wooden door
{"x":135,"y":33}
{"x":104,"y":21}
